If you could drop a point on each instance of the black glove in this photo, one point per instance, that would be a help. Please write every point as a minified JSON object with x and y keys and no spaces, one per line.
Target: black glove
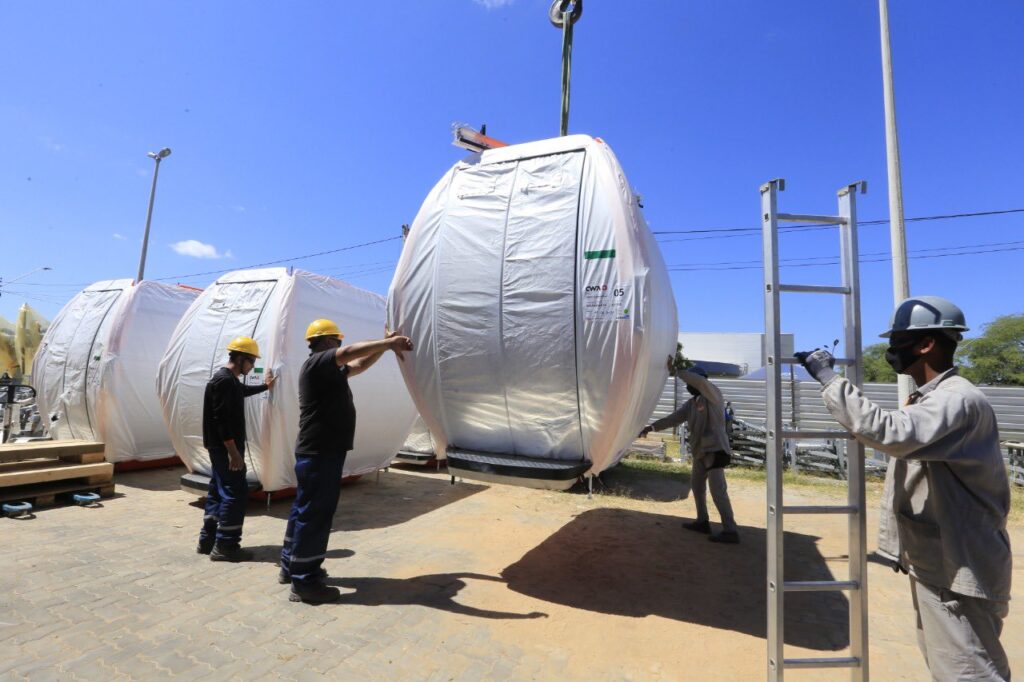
{"x":818,"y":363}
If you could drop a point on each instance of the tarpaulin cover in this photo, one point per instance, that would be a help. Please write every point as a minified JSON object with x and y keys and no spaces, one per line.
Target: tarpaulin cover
{"x":419,"y":441}
{"x":539,"y":304}
{"x":274,"y":307}
{"x":94,"y":369}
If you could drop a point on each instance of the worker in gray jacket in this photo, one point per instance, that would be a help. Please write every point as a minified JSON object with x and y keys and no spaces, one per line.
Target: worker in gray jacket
{"x":704,"y":415}
{"x":947,"y":495}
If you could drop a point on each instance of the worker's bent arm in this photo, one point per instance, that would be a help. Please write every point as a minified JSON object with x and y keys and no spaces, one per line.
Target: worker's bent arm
{"x":346,"y":355}
{"x":899,"y":433}
{"x":364,"y":363}
{"x":253,"y":390}
{"x":707,"y":389}
{"x":674,"y":419}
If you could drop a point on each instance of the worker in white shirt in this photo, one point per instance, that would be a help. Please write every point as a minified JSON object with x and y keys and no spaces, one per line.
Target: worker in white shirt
{"x":710,"y":451}
{"x":947,"y":495}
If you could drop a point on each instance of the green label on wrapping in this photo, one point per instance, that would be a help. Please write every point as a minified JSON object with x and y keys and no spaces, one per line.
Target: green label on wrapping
{"x":593,"y":255}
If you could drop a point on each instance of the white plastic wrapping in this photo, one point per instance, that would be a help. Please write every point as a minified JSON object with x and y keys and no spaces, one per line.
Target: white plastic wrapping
{"x":539,"y":304}
{"x":274,"y":306}
{"x":94,"y":369}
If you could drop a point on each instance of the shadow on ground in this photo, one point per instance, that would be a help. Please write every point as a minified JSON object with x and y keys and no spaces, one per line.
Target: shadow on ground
{"x":394,"y":499}
{"x":633,"y":563}
{"x":434,"y":591}
{"x":636,"y":483}
{"x":162,"y":479}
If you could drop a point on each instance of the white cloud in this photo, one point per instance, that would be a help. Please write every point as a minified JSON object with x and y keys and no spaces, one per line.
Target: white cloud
{"x":197,"y":249}
{"x":118,"y":235}
{"x":52,"y":144}
{"x":494,"y":4}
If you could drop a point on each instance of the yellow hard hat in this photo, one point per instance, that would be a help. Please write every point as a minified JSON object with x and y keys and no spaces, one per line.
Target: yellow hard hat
{"x":323,"y":328}
{"x":243,"y":344}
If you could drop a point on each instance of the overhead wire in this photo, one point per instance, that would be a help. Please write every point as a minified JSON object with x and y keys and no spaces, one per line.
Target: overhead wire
{"x":278,"y":261}
{"x":877,"y":257}
{"x":732,"y":232}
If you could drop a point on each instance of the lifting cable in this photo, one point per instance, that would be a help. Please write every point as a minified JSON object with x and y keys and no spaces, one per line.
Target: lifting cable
{"x":563,"y":14}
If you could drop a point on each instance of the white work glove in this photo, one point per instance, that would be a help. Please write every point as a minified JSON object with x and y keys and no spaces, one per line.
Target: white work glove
{"x":818,"y":363}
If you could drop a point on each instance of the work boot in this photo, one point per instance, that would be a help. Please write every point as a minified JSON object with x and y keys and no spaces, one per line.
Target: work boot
{"x":284,"y":577}
{"x":204,"y":546}
{"x":726,"y":537}
{"x":698,"y":526}
{"x":234,"y":554}
{"x":317,"y":593}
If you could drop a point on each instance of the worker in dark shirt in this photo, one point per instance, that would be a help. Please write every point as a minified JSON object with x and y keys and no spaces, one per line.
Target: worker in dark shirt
{"x":224,"y":440}
{"x":327,"y":425}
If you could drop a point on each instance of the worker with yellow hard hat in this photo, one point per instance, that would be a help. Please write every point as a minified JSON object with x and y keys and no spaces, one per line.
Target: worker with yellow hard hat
{"x":327,"y":425}
{"x":224,"y":440}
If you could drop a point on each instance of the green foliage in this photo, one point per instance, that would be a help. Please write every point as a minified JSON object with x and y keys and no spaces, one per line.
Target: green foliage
{"x":876,"y":369}
{"x":681,"y":361}
{"x":997,"y":356}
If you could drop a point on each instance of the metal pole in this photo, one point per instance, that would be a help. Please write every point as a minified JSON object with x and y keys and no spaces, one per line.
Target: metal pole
{"x":566,"y":68}
{"x":897,"y":230}
{"x":149,"y":218}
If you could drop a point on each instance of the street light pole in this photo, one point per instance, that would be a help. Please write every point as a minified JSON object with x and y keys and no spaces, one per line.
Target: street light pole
{"x":157,"y":158}
{"x":897,"y":229}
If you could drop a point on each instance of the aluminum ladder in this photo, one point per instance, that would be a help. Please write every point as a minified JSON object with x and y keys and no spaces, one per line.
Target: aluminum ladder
{"x":856,"y":583}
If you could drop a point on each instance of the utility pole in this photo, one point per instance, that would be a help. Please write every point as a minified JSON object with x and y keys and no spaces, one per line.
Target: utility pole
{"x":157,"y":158}
{"x":897,"y":229}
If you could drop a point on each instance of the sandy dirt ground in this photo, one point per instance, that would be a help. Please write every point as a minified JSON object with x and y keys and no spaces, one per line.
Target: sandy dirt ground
{"x":469,"y":581}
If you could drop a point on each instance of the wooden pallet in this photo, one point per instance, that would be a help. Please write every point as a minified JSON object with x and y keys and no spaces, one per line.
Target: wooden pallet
{"x":48,"y":494}
{"x":77,"y":451}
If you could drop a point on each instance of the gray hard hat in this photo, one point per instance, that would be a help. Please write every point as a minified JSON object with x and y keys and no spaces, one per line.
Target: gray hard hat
{"x":920,"y":313}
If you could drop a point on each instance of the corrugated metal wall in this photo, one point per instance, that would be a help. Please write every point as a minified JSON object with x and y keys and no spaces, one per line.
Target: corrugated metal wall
{"x":748,"y":402}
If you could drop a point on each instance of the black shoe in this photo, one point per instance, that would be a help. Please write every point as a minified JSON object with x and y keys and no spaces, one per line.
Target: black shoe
{"x":284,"y":577}
{"x":204,"y":547}
{"x":726,"y":537}
{"x":232,"y":554}
{"x":315,"y":594}
{"x":698,"y":526}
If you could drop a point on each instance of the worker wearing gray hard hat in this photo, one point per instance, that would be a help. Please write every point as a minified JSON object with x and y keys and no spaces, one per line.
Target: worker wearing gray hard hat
{"x":946,"y":496}
{"x":705,"y":417}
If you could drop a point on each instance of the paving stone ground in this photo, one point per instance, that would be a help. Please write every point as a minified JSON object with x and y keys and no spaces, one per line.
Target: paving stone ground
{"x":440,"y":582}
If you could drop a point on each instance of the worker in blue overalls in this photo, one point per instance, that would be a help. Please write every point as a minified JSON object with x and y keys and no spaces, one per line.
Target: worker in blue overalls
{"x":224,"y":440}
{"x":327,"y":425}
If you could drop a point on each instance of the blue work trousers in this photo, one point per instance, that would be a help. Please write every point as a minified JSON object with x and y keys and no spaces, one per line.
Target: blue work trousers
{"x":225,"y":501}
{"x":309,"y":523}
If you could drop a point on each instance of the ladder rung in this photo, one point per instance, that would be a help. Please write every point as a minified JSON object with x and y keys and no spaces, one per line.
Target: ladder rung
{"x":819,"y":585}
{"x":809,"y":218}
{"x":818,"y":435}
{"x":844,"y":662}
{"x":820,"y":509}
{"x":814,"y":289}
{"x":846,"y":362}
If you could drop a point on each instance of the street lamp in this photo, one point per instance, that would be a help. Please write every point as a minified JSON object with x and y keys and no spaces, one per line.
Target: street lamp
{"x":157,"y":158}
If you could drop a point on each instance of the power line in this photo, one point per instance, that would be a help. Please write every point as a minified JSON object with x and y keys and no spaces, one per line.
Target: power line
{"x":279,"y":261}
{"x":728,"y":232}
{"x":973,"y":251}
{"x":832,"y":260}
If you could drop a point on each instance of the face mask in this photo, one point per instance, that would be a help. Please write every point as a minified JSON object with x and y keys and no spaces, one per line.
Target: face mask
{"x":901,"y":358}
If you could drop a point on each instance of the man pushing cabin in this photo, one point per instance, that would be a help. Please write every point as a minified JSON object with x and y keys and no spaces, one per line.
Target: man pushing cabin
{"x":705,"y":417}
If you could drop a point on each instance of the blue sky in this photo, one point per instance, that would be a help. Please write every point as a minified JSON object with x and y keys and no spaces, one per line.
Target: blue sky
{"x":311,"y":126}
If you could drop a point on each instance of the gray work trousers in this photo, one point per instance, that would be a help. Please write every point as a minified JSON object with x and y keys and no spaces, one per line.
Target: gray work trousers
{"x":700,"y":477}
{"x":959,"y":635}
